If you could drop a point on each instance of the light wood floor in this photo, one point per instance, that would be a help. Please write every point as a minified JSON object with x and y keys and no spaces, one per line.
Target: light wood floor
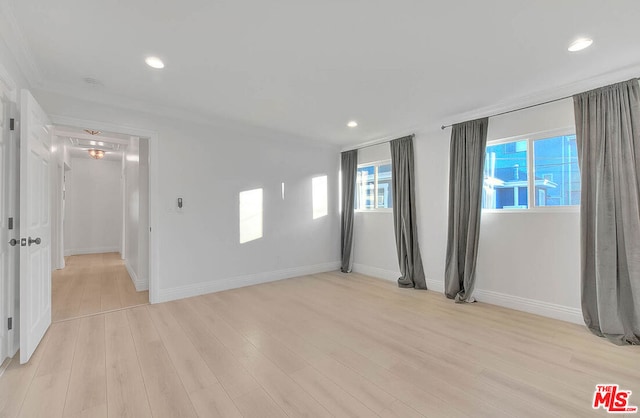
{"x":322,"y":345}
{"x":91,"y":284}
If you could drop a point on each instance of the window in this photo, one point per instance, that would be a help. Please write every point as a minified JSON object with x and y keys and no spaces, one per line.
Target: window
{"x":528,"y":173}
{"x":373,"y":186}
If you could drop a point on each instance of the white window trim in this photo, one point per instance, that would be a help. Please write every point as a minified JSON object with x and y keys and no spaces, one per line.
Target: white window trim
{"x":376,"y":163}
{"x":530,"y":138}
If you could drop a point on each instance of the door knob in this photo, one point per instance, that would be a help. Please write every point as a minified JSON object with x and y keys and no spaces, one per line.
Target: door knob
{"x":36,"y":241}
{"x":13,"y":242}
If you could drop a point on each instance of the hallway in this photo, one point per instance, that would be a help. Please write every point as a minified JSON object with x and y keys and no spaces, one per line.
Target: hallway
{"x":91,"y":284}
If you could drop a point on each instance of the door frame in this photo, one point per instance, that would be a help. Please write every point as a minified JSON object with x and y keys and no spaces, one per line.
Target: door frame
{"x":8,"y":283}
{"x":154,"y":205}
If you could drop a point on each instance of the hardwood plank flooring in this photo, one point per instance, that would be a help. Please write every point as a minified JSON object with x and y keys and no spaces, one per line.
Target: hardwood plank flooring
{"x":91,"y":284}
{"x":320,"y":345}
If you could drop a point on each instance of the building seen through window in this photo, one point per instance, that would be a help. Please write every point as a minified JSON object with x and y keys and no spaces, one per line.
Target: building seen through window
{"x":551,"y":171}
{"x":373,"y":186}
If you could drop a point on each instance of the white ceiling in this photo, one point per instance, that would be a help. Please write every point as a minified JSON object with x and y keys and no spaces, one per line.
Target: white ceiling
{"x":309,"y":67}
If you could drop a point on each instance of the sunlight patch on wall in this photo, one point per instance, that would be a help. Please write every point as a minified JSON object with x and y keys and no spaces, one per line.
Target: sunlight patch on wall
{"x":250,"y":215}
{"x":319,"y":191}
{"x":340,"y":190}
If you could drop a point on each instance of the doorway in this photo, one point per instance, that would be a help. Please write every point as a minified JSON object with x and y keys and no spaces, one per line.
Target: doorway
{"x":19,"y":292}
{"x":100,"y":225}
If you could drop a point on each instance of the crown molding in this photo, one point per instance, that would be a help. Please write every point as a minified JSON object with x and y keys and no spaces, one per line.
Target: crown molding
{"x":18,"y":45}
{"x":549,"y":94}
{"x":100,"y":97}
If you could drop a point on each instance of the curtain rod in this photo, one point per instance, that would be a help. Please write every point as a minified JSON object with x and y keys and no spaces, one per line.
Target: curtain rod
{"x":379,"y":143}
{"x":443,"y":127}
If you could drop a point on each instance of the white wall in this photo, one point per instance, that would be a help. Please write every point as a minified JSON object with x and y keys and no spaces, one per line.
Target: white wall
{"x":57,"y":170}
{"x":136,"y":211}
{"x":143,"y":214}
{"x":528,"y":261}
{"x":93,"y":207}
{"x":132,"y":206}
{"x":374,"y":251}
{"x":374,"y":239}
{"x":208,"y":165}
{"x":531,"y":260}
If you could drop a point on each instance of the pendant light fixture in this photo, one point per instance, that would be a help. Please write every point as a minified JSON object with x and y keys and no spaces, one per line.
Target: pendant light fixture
{"x":96,"y":153}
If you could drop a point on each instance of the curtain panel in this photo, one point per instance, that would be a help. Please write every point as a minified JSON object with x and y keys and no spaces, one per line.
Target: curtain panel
{"x":466,"y":166}
{"x":404,"y":214}
{"x":349,"y":168}
{"x":608,"y":139}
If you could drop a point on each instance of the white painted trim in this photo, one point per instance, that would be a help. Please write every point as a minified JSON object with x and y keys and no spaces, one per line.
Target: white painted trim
{"x":383,"y":140}
{"x":549,"y":310}
{"x":154,"y":200}
{"x":389,"y":275}
{"x":392,"y":276}
{"x":139,"y":283}
{"x":165,"y":295}
{"x":552,"y":93}
{"x":165,"y":111}
{"x":96,"y":250}
{"x":538,"y":307}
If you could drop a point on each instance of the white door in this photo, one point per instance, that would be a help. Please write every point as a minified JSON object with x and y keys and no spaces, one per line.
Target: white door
{"x":35,"y":228}
{"x":4,"y":224}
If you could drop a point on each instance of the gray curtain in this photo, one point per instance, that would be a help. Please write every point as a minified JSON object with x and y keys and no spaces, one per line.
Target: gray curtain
{"x":466,"y":166}
{"x":404,"y":214}
{"x":349,"y":168}
{"x":608,"y":139}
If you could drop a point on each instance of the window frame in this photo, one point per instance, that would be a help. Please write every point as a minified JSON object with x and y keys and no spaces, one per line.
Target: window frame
{"x":376,"y":164}
{"x":531,"y":138}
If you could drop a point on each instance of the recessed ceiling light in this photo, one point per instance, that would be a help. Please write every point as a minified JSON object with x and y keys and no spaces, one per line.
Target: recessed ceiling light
{"x":580,"y":44}
{"x":154,"y":62}
{"x":352,"y":124}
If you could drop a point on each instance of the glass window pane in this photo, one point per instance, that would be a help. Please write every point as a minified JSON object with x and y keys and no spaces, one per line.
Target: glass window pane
{"x":365,"y":192}
{"x":505,"y":176}
{"x":385,"y":192}
{"x":557,"y":176}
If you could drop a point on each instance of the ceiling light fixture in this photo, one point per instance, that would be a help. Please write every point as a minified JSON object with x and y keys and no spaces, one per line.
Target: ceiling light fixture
{"x":96,"y":154}
{"x":352,"y":124}
{"x":580,"y":44}
{"x":154,"y":62}
{"x":92,"y":132}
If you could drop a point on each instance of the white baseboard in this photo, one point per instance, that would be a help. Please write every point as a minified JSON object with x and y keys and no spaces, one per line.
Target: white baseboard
{"x":165,"y":295}
{"x":549,"y":310}
{"x":392,"y":276}
{"x":139,"y":283}
{"x":538,"y":307}
{"x":97,"y":250}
